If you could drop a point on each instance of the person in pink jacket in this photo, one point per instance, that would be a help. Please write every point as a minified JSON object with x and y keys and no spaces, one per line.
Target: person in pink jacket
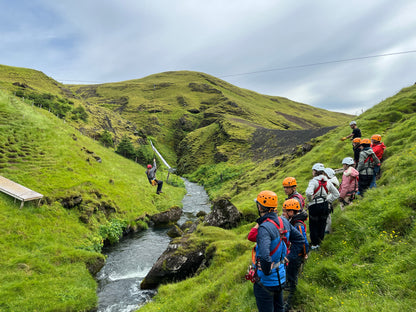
{"x":349,"y":183}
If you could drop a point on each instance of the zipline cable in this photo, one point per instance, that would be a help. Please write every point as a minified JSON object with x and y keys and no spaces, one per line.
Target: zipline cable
{"x":317,"y":64}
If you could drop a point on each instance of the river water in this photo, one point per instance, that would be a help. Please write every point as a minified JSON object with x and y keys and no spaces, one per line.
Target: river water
{"x":129,"y":261}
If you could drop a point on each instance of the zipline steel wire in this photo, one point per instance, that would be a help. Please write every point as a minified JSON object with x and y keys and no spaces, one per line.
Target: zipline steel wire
{"x":318,"y":63}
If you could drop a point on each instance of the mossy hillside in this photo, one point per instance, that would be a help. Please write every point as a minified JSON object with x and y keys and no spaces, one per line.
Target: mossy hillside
{"x":29,"y":83}
{"x":366,"y":264}
{"x":170,"y":105}
{"x":49,"y":251}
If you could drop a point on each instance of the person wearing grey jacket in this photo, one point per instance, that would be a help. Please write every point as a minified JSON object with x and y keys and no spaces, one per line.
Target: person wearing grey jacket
{"x":151,"y":176}
{"x":368,"y":159}
{"x":320,"y":193}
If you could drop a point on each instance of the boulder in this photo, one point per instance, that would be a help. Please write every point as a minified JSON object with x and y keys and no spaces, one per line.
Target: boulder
{"x":179,"y":261}
{"x":167,"y":217}
{"x":223,"y":214}
{"x":175,"y":231}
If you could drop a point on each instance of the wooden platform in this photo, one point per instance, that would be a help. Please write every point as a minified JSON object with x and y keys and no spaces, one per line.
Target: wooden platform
{"x":18,"y":191}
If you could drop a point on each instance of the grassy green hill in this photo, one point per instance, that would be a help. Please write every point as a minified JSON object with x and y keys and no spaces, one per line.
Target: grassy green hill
{"x":234,"y":141}
{"x":200,"y":119}
{"x":194,"y":118}
{"x":368,"y":263}
{"x":49,"y":253}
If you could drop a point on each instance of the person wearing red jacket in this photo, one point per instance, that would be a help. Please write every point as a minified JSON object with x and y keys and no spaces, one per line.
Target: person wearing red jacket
{"x":378,"y":148}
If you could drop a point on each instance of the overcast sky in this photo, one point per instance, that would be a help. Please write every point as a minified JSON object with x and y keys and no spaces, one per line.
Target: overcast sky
{"x":268,"y":46}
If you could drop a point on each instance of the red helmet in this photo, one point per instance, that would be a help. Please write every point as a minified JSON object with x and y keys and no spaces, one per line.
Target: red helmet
{"x":149,"y":166}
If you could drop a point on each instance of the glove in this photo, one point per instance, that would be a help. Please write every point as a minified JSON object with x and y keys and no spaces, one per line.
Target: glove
{"x":343,"y":139}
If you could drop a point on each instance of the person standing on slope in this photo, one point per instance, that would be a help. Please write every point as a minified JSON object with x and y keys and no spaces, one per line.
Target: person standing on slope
{"x":330,"y":174}
{"x":378,"y":148}
{"x":349,"y":183}
{"x":289,"y":186}
{"x":368,"y":160}
{"x":272,"y":234}
{"x":356,"y":148}
{"x":356,"y":132}
{"x":151,"y":176}
{"x":320,"y":193}
{"x":297,"y":217}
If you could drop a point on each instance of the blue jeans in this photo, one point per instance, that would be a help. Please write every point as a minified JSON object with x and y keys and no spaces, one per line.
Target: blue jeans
{"x":373,"y":181}
{"x":269,"y":299}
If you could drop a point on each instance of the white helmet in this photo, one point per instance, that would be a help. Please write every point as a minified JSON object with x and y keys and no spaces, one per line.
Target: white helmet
{"x":348,"y":161}
{"x":318,"y":167}
{"x":329,"y":172}
{"x":352,"y":123}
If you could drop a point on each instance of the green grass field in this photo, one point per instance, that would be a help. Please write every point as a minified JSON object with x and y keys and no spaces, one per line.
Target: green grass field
{"x":48,"y":253}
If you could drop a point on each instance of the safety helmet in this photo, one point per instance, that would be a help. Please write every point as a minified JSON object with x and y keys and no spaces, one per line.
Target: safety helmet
{"x":149,"y":166}
{"x":348,"y":161}
{"x":318,"y":167}
{"x":376,"y":137}
{"x":365,"y":141}
{"x":267,"y":199}
{"x":356,"y":140}
{"x":352,"y":123}
{"x":329,"y":172}
{"x":289,"y":181}
{"x":291,"y":204}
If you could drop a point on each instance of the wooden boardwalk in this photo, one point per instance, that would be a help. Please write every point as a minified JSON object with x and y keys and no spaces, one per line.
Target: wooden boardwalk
{"x":18,"y":191}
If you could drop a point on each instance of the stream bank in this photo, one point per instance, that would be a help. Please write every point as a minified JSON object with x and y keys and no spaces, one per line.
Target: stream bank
{"x":129,"y":261}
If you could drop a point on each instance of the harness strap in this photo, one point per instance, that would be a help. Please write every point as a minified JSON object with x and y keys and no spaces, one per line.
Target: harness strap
{"x":322,"y":184}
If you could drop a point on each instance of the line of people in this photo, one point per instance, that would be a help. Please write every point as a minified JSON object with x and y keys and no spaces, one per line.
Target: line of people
{"x":276,"y":263}
{"x":368,"y":154}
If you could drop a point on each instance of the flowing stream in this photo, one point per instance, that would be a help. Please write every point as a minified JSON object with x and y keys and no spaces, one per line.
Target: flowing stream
{"x":131,"y":259}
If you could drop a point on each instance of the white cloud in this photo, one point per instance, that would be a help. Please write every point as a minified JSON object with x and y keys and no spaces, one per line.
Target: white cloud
{"x":125,"y":39}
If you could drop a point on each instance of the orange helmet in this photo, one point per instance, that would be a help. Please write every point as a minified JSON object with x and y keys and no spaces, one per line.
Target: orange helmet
{"x":376,"y":137}
{"x":356,"y":140}
{"x":365,"y":141}
{"x":291,"y":204}
{"x":267,"y":199}
{"x":289,"y":181}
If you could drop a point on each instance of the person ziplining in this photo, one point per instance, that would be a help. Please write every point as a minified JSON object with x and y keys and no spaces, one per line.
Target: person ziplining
{"x":151,"y":176}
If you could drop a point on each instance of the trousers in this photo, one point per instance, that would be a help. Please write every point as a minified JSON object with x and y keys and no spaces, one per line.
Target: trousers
{"x":318,"y":213}
{"x":268,"y":299}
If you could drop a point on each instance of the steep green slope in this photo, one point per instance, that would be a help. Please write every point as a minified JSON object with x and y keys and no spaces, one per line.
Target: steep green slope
{"x":50,"y":253}
{"x":368,"y":263}
{"x":44,"y":92}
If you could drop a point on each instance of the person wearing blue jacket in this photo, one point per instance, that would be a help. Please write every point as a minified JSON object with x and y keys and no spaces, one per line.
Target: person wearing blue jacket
{"x":297,"y":217}
{"x":271,"y":253}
